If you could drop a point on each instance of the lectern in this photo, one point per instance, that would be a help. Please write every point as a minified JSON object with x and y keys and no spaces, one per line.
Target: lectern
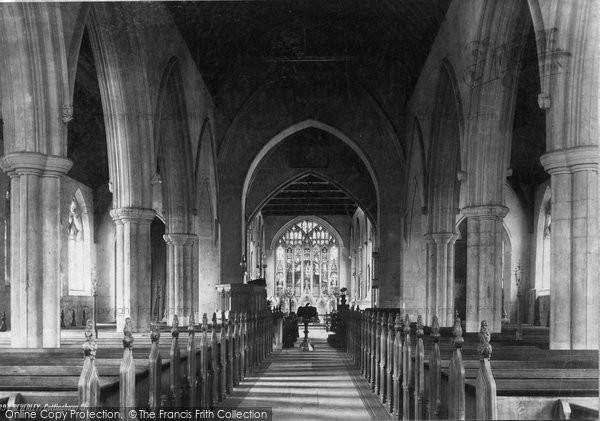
{"x":307,"y":314}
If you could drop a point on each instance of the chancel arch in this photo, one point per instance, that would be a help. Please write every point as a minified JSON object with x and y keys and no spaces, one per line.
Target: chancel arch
{"x":255,"y":134}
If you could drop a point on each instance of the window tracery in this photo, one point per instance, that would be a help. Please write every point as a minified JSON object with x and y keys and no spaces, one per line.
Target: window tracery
{"x":307,"y":260}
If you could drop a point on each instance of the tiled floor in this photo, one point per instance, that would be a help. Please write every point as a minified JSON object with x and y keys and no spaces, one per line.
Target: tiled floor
{"x":318,"y":385}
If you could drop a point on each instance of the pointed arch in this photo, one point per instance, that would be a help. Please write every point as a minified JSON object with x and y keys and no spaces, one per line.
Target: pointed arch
{"x":444,"y":157}
{"x":173,"y":149}
{"x":417,"y":173}
{"x":458,"y":104}
{"x":296,"y":128}
{"x":207,"y":253}
{"x":205,"y":168}
{"x":126,"y":104}
{"x":298,"y":219}
{"x":80,"y":23}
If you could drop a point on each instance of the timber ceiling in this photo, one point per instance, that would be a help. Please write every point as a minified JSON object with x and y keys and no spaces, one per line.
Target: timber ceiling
{"x":237,"y":45}
{"x":308,"y":29}
{"x":310,"y":195}
{"x":228,"y":38}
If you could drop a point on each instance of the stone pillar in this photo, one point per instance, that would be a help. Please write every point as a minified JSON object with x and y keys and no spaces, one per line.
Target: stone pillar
{"x":35,"y":247}
{"x":132,"y":262}
{"x":574,"y":247}
{"x":180,"y":297}
{"x":484,"y":266}
{"x":440,"y":277}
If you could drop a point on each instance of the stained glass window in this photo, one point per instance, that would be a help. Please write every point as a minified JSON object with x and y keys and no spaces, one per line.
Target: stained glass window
{"x":279,"y":276}
{"x":310,"y":260}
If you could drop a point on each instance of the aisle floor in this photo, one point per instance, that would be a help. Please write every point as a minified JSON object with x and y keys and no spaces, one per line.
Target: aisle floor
{"x":318,"y":385}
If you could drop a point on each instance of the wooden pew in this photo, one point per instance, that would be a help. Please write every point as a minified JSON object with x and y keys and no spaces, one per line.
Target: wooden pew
{"x":389,"y":368}
{"x":155,"y":368}
{"x":406,"y":370}
{"x":127,"y":373}
{"x":192,"y":366}
{"x":461,"y":376}
{"x":397,"y":375}
{"x":382,"y":357}
{"x":419,"y":367}
{"x":89,"y":384}
{"x":175,"y":372}
{"x":486,"y":407}
{"x":456,"y":375}
{"x":214,"y":363}
{"x":435,"y":374}
{"x":204,"y":365}
{"x":129,"y":377}
{"x":223,"y":358}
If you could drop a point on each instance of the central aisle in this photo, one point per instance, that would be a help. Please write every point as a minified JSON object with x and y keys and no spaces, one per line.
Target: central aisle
{"x":318,"y":385}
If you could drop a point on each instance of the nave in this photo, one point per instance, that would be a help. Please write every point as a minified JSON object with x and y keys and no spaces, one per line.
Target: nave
{"x":318,"y":385}
{"x":163,"y":159}
{"x":371,"y":364}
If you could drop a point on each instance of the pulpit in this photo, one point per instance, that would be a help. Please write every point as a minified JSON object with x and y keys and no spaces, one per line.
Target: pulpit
{"x":242,"y":297}
{"x":307,"y":314}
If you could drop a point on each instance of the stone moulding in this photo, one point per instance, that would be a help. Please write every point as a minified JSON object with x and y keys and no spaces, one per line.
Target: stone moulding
{"x":19,"y":163}
{"x":579,"y":158}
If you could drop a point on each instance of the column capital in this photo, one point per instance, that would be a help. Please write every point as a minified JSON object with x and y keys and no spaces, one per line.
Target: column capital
{"x":132,"y":215}
{"x":179,"y":239}
{"x":34,"y":163}
{"x":442,"y":238}
{"x":485,"y":211}
{"x":565,"y":161}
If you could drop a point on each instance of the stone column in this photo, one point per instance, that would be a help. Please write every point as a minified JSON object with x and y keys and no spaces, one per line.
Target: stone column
{"x":440,"y":277}
{"x":133,"y":266}
{"x":35,"y":247}
{"x":574,"y":247}
{"x":180,"y":297}
{"x":484,"y":266}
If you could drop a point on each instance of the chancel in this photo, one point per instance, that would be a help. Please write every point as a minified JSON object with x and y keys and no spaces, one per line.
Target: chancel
{"x":182,"y":180}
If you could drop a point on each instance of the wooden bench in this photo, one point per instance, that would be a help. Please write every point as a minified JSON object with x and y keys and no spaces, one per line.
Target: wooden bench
{"x":523,"y":380}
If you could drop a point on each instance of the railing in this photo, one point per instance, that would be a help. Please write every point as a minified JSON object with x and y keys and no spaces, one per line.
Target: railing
{"x":379,"y":343}
{"x":226,"y":353}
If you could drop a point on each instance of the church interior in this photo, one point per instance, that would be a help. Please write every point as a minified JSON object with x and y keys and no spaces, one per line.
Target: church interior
{"x":424,"y":173}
